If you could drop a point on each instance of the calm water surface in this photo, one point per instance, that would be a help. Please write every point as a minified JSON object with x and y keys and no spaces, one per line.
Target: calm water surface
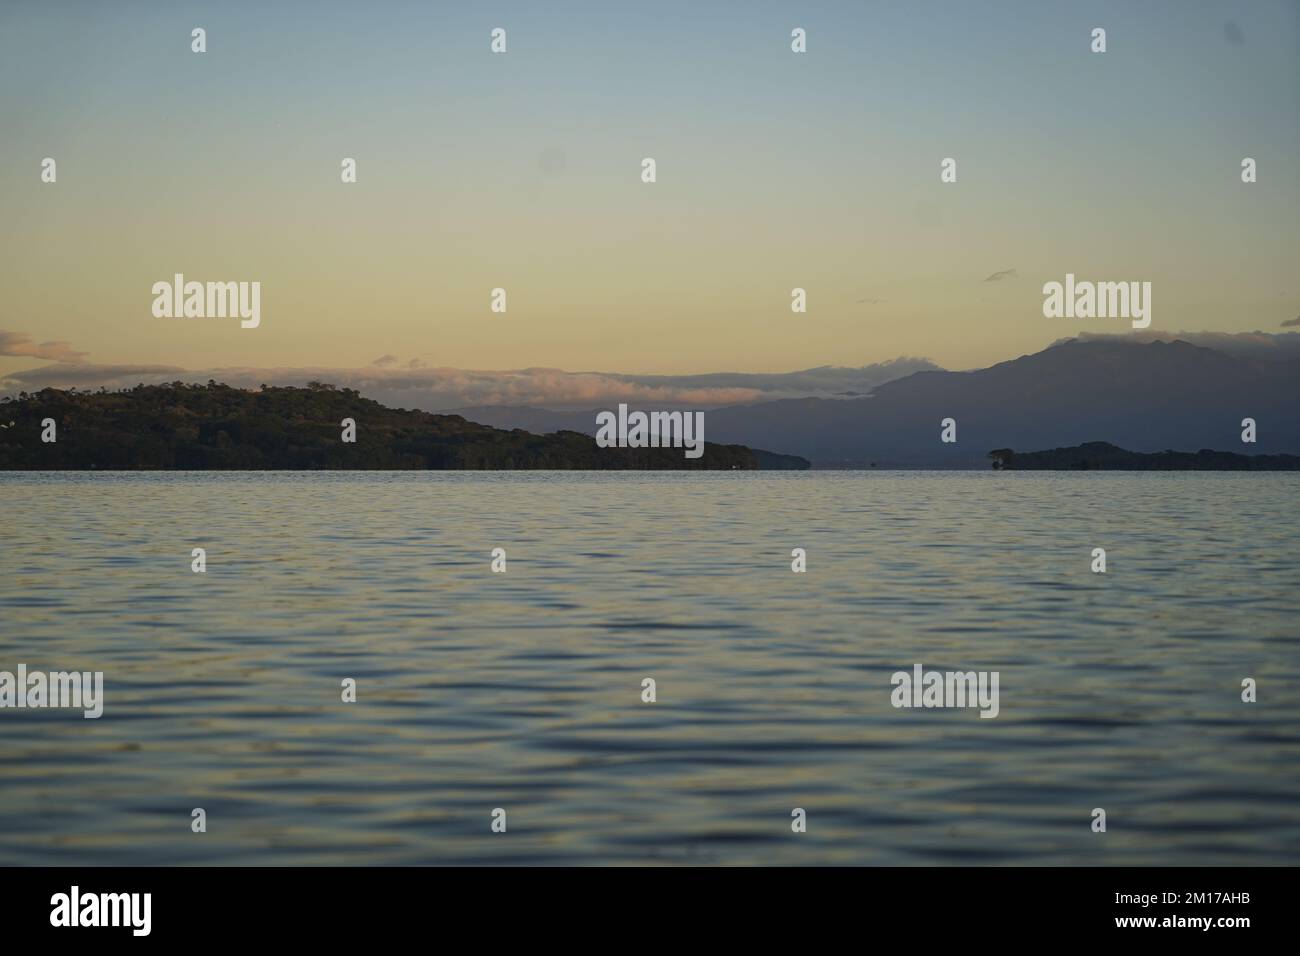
{"x":522,"y":690}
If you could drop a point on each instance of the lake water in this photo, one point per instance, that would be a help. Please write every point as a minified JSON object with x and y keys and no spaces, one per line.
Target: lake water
{"x":522,"y":690}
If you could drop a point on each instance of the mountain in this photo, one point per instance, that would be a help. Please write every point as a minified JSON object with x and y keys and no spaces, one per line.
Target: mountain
{"x":1103,"y":456}
{"x":824,"y":381}
{"x":218,"y":427}
{"x":1143,"y":396}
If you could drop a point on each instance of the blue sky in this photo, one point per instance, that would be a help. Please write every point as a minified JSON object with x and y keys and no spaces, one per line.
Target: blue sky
{"x":520,"y":171}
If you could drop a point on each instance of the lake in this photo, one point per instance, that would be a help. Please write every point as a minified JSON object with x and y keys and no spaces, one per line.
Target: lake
{"x":522,"y":690}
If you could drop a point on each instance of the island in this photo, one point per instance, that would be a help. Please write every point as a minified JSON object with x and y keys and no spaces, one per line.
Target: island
{"x":1103,"y":456}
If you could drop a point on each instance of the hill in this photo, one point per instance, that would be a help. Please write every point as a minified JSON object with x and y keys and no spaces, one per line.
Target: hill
{"x":217,"y":427}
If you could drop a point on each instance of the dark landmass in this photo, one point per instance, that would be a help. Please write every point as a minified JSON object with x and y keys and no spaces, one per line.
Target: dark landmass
{"x":217,"y":427}
{"x":1103,"y":456}
{"x":1144,"y":396}
{"x":773,"y":461}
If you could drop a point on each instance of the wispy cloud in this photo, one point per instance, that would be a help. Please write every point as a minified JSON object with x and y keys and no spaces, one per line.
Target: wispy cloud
{"x":442,"y":389}
{"x":1291,"y":323}
{"x":1004,"y":274}
{"x":18,"y":344}
{"x":430,"y":389}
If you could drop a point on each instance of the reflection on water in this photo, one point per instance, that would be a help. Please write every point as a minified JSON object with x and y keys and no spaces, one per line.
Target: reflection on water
{"x":523,"y":690}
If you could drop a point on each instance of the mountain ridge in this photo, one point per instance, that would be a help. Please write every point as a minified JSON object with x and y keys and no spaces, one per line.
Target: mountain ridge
{"x":1147,"y":396}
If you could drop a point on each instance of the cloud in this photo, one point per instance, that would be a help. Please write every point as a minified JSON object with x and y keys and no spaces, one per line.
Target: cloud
{"x":1004,"y":274}
{"x":1291,"y":323}
{"x":443,"y":389}
{"x":826,"y":381}
{"x":85,"y":375}
{"x":385,"y":360}
{"x":19,"y":344}
{"x":1232,"y":33}
{"x":430,"y":389}
{"x":1278,"y":346}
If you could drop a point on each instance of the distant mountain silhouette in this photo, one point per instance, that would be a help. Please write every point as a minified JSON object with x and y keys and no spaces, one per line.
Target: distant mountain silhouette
{"x":1146,"y":397}
{"x":824,"y":381}
{"x":216,"y":426}
{"x":1103,"y":456}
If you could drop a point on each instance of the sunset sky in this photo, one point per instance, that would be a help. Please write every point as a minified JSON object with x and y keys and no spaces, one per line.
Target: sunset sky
{"x":522,"y":171}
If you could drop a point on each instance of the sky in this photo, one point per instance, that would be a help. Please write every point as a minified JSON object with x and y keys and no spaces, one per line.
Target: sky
{"x":522,"y":171}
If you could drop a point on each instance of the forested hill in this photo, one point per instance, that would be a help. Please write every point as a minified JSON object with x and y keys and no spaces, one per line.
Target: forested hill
{"x":213,"y":426}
